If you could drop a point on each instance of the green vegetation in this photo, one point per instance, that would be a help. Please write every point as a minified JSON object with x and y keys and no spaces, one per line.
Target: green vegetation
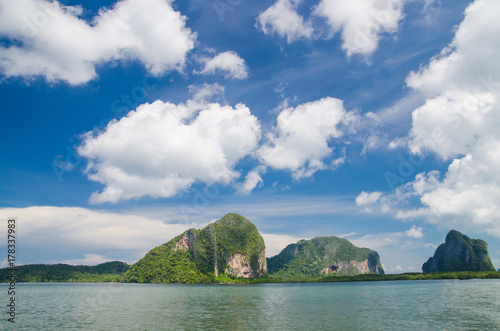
{"x":105,"y":272}
{"x":163,"y":264}
{"x":463,"y":275}
{"x":235,"y":234}
{"x":81,"y":274}
{"x":191,"y":257}
{"x":308,"y":258}
{"x":460,"y":253}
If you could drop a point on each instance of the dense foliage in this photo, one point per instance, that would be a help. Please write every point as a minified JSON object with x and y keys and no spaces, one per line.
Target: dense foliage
{"x":78,"y":277}
{"x":307,"y":258}
{"x":464,"y":275}
{"x":220,"y":240}
{"x":163,"y":264}
{"x":235,"y":234}
{"x":460,"y":253}
{"x":105,"y":272}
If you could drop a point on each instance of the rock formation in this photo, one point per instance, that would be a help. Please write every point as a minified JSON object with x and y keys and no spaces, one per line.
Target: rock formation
{"x":459,"y":253}
{"x":230,"y":246}
{"x":324,"y":256}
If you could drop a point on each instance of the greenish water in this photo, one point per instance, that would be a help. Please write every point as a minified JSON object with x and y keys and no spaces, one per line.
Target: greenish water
{"x":422,"y":305}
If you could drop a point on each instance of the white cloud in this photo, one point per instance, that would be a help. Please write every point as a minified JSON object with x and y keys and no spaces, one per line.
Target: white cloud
{"x":459,"y":123}
{"x":470,"y":62}
{"x":229,"y":63}
{"x":370,"y":200}
{"x":395,"y":269}
{"x":338,"y":162}
{"x":362,"y":22}
{"x":468,"y":195}
{"x":276,"y":242}
{"x":56,"y":229}
{"x":300,"y":141}
{"x":415,"y":232}
{"x":161,"y":149}
{"x":397,"y":143}
{"x":453,"y":123}
{"x":89,"y":259}
{"x":282,"y":18}
{"x":52,"y":41}
{"x":252,"y":180}
{"x":366,"y":198}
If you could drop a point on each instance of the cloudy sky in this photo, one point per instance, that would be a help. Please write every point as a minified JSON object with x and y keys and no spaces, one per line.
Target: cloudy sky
{"x":125,"y":123}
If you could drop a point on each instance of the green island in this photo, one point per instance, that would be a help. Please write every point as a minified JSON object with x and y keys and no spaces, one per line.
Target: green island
{"x":42,"y":273}
{"x":232,"y":251}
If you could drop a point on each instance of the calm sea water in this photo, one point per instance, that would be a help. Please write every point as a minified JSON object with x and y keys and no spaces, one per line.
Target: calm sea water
{"x":422,"y":305}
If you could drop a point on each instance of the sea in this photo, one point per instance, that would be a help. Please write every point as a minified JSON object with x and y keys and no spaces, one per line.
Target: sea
{"x":390,"y":305}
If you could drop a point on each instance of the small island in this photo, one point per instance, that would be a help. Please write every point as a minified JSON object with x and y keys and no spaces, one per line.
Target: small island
{"x":459,"y":253}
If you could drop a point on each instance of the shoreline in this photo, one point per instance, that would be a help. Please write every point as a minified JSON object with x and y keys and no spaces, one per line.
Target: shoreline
{"x":462,"y":275}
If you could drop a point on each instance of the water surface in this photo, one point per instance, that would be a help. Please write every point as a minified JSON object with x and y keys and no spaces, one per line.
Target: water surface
{"x":395,"y":305}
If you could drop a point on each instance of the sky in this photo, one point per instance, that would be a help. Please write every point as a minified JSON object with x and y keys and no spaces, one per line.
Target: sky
{"x":125,"y":123}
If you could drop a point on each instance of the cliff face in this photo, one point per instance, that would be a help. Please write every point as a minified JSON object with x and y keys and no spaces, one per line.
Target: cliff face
{"x":351,"y":268}
{"x":459,"y":253}
{"x":324,"y":256}
{"x":230,"y":246}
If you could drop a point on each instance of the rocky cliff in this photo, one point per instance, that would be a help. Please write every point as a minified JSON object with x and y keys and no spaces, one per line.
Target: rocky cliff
{"x":324,"y":256}
{"x":231,"y":246}
{"x":459,"y":253}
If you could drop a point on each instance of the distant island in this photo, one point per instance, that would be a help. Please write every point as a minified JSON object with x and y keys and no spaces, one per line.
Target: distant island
{"x":232,"y":251}
{"x":459,"y":253}
{"x":324,"y":256}
{"x":41,"y":273}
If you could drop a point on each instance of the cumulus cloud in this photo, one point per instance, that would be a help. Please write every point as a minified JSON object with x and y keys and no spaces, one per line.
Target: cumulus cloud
{"x":468,"y":195}
{"x":453,"y":123}
{"x":373,"y":201}
{"x":470,"y":62}
{"x":361,"y":23}
{"x":89,"y":232}
{"x":282,"y":18}
{"x":51,"y":40}
{"x":161,"y":149}
{"x":459,"y":124}
{"x":300,"y":140}
{"x":229,"y":63}
{"x":366,"y":198}
{"x":415,"y":232}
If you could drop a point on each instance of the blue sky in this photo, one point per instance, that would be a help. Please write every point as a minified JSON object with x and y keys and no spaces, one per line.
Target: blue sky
{"x":124,"y":124}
